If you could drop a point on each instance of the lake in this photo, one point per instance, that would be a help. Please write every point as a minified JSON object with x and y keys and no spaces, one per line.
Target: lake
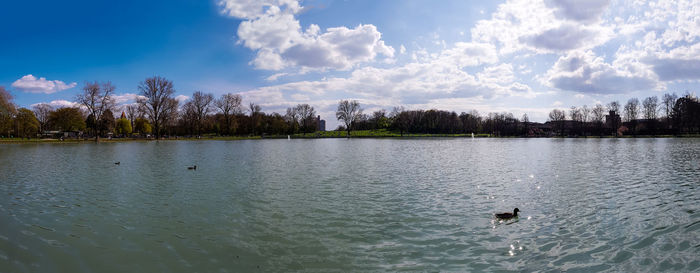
{"x":630,"y":205}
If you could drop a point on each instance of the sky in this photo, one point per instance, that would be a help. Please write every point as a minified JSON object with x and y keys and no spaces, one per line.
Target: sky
{"x":522,"y":57}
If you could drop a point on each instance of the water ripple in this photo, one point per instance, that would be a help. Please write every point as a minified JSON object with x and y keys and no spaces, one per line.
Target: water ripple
{"x":352,"y":205}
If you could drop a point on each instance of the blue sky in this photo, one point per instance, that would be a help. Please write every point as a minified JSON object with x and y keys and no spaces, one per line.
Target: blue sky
{"x":492,"y":56}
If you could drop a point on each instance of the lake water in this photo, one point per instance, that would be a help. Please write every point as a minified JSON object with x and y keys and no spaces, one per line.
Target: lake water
{"x":630,"y":205}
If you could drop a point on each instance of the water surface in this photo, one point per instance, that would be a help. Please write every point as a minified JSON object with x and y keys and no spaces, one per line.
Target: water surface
{"x":351,"y":205}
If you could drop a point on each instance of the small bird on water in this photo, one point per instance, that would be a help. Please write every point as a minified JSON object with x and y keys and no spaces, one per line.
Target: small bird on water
{"x":117,"y":163}
{"x":508,"y":215}
{"x":192,"y":167}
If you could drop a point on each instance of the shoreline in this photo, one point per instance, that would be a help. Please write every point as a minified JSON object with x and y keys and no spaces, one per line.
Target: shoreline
{"x":325,"y":135}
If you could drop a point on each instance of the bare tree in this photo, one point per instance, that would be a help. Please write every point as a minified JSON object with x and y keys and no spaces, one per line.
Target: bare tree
{"x":525,"y":118}
{"x":598,"y":114}
{"x":230,"y":105}
{"x":202,"y":106}
{"x":614,"y":106}
{"x":132,"y":112}
{"x":42,"y":111}
{"x":292,"y":117}
{"x":400,"y":118}
{"x":575,"y":114}
{"x":188,"y":117}
{"x":306,"y":115}
{"x":254,"y":116}
{"x":585,"y":113}
{"x":632,"y":113}
{"x":557,"y":117}
{"x":650,"y":106}
{"x":668,"y":101}
{"x":170,"y":112}
{"x":349,"y":112}
{"x":632,"y":109}
{"x":158,"y":102}
{"x":97,"y":99}
{"x":526,"y":124}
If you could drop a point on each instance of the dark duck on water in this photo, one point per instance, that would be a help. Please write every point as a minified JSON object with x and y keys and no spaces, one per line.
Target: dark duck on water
{"x":507,"y":215}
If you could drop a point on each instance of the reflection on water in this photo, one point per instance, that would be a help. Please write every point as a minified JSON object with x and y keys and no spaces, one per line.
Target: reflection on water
{"x":361,"y":204}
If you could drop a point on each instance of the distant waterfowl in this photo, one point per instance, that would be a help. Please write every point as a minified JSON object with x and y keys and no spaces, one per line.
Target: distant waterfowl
{"x":117,"y":163}
{"x":508,"y":215}
{"x":192,"y":167}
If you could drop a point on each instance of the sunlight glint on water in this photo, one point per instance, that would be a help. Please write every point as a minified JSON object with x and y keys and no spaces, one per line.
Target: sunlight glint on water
{"x":351,"y":205}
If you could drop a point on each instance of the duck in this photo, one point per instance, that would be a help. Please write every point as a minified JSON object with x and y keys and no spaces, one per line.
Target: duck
{"x":507,"y":215}
{"x":192,"y":167}
{"x":117,"y":163}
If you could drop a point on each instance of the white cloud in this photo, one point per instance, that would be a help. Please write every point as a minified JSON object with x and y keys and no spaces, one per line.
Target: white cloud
{"x":300,"y":97}
{"x":586,"y":73}
{"x":60,"y":104}
{"x":519,"y":25}
{"x":182,"y":98}
{"x":469,"y":54}
{"x":31,"y":84}
{"x":127,"y":98}
{"x":561,"y":38}
{"x":583,"y":11}
{"x":427,"y":79}
{"x":524,"y":47}
{"x":270,"y":28}
{"x":251,"y":9}
{"x":668,"y":39}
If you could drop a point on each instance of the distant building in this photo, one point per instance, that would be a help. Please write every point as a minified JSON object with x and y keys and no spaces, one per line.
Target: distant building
{"x":320,"y":124}
{"x":613,"y":120}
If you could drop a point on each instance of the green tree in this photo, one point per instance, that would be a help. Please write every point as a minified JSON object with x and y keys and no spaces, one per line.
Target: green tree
{"x":67,"y":119}
{"x":123,"y":127}
{"x":142,"y":126}
{"x":7,"y":111}
{"x":26,"y":122}
{"x":107,"y":122}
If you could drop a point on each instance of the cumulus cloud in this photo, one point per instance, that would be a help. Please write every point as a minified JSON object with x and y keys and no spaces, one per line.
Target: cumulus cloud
{"x":582,"y":11}
{"x":419,"y":82}
{"x":469,"y":54}
{"x":127,"y":98}
{"x":521,"y":25}
{"x":60,"y":104}
{"x":32,"y":84}
{"x":595,"y":47}
{"x":676,"y":69}
{"x":668,"y":39}
{"x":251,"y":9}
{"x":586,"y":73}
{"x":182,"y":98}
{"x":562,"y":38}
{"x":270,"y":28}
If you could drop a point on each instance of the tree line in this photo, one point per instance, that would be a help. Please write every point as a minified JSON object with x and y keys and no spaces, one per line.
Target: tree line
{"x":157,"y":113}
{"x":651,"y":116}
